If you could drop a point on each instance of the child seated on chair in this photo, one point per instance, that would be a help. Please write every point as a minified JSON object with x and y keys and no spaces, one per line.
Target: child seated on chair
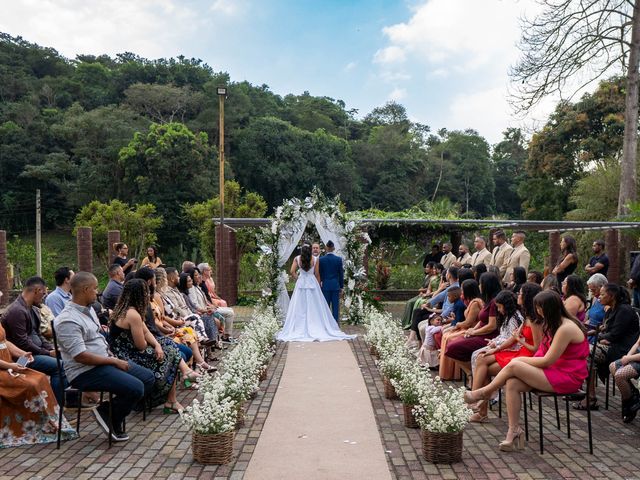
{"x":429,"y":350}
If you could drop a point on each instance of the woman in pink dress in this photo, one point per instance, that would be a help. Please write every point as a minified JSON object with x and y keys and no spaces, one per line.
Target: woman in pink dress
{"x":559,"y":365}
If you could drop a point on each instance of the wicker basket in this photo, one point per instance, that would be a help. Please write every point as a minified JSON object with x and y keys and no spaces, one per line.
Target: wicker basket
{"x":409,"y":419}
{"x":263,"y":375}
{"x":389,"y":389}
{"x":240,"y":415}
{"x":374,"y":351}
{"x":442,"y":447}
{"x":212,"y":448}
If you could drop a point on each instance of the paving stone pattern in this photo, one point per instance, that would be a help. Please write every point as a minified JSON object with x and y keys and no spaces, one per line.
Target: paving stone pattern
{"x":160,"y":448}
{"x":616,"y":445}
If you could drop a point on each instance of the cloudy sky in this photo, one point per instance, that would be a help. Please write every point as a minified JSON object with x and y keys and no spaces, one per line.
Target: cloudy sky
{"x":445,"y":60}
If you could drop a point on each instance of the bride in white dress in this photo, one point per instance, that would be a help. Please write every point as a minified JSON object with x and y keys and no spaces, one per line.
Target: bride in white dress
{"x":309,"y":318}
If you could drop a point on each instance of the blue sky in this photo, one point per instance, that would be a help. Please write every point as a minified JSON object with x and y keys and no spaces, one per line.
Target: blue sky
{"x":445,"y":60}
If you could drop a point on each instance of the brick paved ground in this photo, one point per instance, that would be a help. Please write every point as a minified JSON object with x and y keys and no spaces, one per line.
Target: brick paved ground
{"x":616,"y":445}
{"x":160,"y":448}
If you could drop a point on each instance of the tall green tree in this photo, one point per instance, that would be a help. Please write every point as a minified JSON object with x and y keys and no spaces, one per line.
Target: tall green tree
{"x":509,"y":159}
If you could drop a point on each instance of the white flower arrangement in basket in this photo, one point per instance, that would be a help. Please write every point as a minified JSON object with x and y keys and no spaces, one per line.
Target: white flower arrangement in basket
{"x":393,"y":364}
{"x":442,"y":409}
{"x":215,"y":414}
{"x":413,"y":384}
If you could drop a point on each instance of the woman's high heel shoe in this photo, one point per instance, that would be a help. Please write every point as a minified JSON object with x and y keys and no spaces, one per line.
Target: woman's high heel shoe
{"x":517,"y":443}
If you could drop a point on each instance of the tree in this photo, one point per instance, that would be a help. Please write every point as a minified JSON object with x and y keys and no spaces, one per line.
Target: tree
{"x":595,"y":195}
{"x":509,"y":159}
{"x":168,"y":167}
{"x":137,"y":225}
{"x":238,"y":203}
{"x":163,"y":103}
{"x":584,"y":40}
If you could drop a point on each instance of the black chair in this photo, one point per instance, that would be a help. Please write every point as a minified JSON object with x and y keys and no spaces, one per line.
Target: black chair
{"x":75,"y":390}
{"x":577,"y":396}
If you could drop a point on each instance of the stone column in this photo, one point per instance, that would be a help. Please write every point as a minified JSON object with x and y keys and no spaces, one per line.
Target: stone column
{"x":554,"y":249}
{"x":227,"y":265}
{"x":613,"y":252}
{"x":85,"y":249}
{"x":113,"y":236}
{"x":4,"y":281}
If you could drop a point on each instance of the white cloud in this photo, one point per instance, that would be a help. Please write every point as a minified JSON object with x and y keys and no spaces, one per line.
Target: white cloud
{"x":398,"y":94}
{"x":486,"y":111}
{"x":151,"y":28}
{"x":392,"y":54}
{"x":350,"y":66}
{"x":228,"y":7}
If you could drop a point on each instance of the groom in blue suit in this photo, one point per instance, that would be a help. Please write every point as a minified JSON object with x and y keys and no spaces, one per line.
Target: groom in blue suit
{"x":332,"y":279}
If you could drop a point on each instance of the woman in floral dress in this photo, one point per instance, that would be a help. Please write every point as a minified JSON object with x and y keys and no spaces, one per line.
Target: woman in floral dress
{"x":28,"y":408}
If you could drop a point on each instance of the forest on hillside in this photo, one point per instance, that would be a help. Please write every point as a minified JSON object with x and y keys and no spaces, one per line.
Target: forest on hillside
{"x":145,"y":131}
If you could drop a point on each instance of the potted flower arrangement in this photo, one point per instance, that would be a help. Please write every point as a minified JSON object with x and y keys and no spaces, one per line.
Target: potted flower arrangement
{"x":393,"y":364}
{"x":410,"y":386}
{"x":442,"y":415}
{"x":212,"y":423}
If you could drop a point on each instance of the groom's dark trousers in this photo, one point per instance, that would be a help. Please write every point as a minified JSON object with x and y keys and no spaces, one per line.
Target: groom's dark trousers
{"x":332,"y":278}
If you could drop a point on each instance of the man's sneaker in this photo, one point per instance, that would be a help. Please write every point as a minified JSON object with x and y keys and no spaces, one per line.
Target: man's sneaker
{"x":119,"y":436}
{"x":102,"y":418}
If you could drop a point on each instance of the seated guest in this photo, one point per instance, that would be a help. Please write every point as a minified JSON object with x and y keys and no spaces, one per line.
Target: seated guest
{"x":411,"y":303}
{"x":127,"y":264}
{"x":88,"y":363}
{"x":524,"y":342}
{"x":550,"y":282}
{"x":209,"y":286}
{"x":473,"y":306}
{"x":57,"y":299}
{"x":213,"y":324}
{"x":152,"y":260}
{"x":518,"y":278}
{"x":619,"y":332}
{"x":430,"y":307}
{"x":569,"y":260}
{"x":575,"y":300}
{"x":131,"y":340}
{"x":622,"y":371}
{"x":595,"y":313}
{"x":112,"y":291}
{"x":460,"y":349}
{"x":177,"y":329}
{"x":429,"y":350}
{"x":200,"y":300}
{"x":46,"y":317}
{"x":227,"y":312}
{"x":478,"y":270}
{"x":465,"y":274}
{"x":508,"y":322}
{"x":172,"y":296}
{"x":534,"y":277}
{"x":22,"y":326}
{"x":187,"y":265}
{"x":28,"y":408}
{"x":559,"y":366}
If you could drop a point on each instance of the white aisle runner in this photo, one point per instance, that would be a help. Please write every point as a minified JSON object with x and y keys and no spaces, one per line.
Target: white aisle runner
{"x":321,"y":423}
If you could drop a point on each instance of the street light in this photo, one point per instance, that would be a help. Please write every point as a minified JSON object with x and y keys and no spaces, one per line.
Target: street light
{"x":222,"y":95}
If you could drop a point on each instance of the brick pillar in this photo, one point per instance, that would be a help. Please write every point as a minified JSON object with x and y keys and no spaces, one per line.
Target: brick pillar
{"x":4,"y":281}
{"x":554,"y":249}
{"x":456,"y":240}
{"x":227,"y":268}
{"x":113,"y":236}
{"x":85,"y":249}
{"x":613,"y":252}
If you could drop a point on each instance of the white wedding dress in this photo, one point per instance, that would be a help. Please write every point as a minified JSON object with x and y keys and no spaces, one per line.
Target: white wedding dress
{"x":308,"y":317}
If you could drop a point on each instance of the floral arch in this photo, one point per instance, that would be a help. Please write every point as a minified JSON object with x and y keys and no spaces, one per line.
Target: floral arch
{"x":278,"y":241}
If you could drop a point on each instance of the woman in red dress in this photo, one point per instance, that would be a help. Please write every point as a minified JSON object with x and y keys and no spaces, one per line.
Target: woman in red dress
{"x":494,"y":360}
